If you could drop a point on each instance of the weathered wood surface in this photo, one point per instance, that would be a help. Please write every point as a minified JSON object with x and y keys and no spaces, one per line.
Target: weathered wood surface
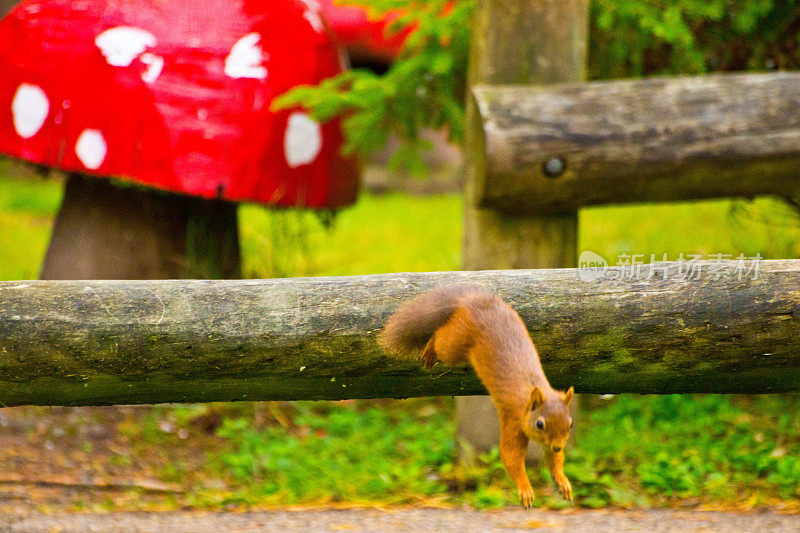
{"x":117,"y":342}
{"x":515,"y":41}
{"x":541,"y":42}
{"x":659,"y":139}
{"x":106,"y":230}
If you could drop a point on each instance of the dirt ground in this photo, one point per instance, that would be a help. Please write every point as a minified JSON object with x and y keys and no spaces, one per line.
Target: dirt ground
{"x":63,"y":459}
{"x":412,"y":520}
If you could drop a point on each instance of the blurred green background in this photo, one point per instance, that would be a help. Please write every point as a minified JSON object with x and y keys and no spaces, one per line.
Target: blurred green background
{"x":699,"y":450}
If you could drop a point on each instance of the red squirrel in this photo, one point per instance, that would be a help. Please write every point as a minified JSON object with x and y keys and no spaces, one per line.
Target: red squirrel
{"x":460,"y":324}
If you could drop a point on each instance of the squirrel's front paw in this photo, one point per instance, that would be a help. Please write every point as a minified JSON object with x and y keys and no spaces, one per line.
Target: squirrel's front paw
{"x":525,"y":497}
{"x":564,"y":487}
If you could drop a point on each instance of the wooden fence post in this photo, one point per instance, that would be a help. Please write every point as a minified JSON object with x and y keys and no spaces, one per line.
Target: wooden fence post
{"x":516,"y":42}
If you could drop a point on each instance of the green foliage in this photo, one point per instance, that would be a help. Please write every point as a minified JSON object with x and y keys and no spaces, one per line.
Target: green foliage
{"x":340,"y":453}
{"x":642,"y":37}
{"x":632,"y":452}
{"x":425,"y":86}
{"x":595,"y":487}
{"x":706,"y":446}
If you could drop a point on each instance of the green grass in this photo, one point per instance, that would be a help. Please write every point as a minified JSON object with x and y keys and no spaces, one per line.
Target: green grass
{"x":345,"y":455}
{"x":711,"y":448}
{"x":27,"y":205}
{"x":392,"y":233}
{"x":398,"y":233}
{"x":764,"y":226}
{"x":630,"y":451}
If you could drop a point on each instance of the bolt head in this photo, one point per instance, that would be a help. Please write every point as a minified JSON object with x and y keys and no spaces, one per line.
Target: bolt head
{"x":554,"y":167}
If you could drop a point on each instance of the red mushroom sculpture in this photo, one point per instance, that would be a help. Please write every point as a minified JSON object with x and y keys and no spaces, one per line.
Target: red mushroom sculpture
{"x":365,"y":38}
{"x":174,"y":96}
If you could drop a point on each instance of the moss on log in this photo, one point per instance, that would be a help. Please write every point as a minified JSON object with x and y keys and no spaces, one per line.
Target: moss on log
{"x":119,"y":342}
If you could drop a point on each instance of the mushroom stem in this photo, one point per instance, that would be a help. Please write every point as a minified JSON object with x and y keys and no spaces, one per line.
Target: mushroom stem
{"x":104,"y":230}
{"x":6,"y":5}
{"x":212,"y":240}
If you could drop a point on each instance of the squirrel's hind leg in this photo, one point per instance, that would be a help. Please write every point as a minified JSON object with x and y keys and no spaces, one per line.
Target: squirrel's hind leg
{"x":452,"y":341}
{"x":429,"y":354}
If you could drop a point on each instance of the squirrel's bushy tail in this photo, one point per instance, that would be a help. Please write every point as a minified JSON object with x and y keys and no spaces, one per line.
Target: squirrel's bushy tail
{"x":414,"y":323}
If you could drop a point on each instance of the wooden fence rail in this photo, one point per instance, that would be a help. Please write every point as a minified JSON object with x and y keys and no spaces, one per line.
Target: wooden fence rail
{"x":557,"y":148}
{"x":678,"y":328}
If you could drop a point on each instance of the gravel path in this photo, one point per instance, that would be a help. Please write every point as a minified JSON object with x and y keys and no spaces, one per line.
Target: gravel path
{"x":415,"y":520}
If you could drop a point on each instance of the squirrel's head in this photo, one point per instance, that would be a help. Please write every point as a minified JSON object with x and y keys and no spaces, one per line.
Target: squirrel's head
{"x":548,"y":420}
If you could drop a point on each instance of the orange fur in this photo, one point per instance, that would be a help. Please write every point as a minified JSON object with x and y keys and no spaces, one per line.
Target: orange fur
{"x":460,"y":324}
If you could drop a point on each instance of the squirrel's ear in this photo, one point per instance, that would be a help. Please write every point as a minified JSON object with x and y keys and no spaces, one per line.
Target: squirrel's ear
{"x":568,"y":395}
{"x":537,"y":398}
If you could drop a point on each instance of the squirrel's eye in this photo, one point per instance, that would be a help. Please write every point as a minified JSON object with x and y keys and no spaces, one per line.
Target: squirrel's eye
{"x":540,"y":424}
{"x":571,"y":423}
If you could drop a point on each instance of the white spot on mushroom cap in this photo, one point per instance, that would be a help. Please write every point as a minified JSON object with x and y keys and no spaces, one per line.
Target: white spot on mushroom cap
{"x":312,"y":15}
{"x":303,"y":140}
{"x":122,"y":44}
{"x":155,"y":64}
{"x":91,"y":148}
{"x":245,"y":59}
{"x":29,"y":109}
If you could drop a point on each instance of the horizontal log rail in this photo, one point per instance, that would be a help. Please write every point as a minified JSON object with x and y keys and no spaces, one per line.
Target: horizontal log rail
{"x":675,"y":329}
{"x":557,"y":148}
